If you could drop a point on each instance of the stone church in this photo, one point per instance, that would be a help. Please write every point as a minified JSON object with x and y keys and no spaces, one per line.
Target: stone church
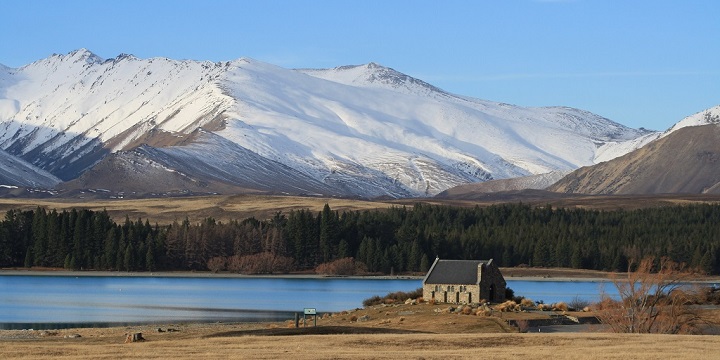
{"x":464,"y":282}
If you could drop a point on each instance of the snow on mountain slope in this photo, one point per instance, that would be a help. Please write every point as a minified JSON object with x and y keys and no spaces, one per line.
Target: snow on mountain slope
{"x":16,"y":172}
{"x":361,"y":130}
{"x":69,"y":107}
{"x":376,"y":76}
{"x":535,"y":140}
{"x":212,"y":156}
{"x":705,"y":117}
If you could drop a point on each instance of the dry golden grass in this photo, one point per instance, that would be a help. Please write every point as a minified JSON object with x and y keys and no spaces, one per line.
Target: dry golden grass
{"x":373,"y":346}
{"x":391,"y":332}
{"x":220,"y":207}
{"x":238,"y":207}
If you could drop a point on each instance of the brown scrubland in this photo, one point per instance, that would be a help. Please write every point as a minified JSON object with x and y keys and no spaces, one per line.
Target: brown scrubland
{"x":238,"y":207}
{"x":220,"y":207}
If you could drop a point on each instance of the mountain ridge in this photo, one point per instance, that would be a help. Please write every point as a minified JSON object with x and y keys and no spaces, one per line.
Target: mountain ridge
{"x":683,"y":160}
{"x":364,"y":130}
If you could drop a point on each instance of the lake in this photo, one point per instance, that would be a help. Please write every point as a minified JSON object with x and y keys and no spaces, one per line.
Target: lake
{"x":29,"y":301}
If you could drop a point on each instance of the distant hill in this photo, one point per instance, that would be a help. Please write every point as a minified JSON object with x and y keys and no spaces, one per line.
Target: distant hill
{"x":480,"y":190}
{"x":686,"y":160}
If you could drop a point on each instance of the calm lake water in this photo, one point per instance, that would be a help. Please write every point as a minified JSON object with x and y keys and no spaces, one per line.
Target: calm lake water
{"x":60,"y":301}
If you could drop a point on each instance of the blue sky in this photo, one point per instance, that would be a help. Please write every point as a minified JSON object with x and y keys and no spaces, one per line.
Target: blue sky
{"x":640,"y":63}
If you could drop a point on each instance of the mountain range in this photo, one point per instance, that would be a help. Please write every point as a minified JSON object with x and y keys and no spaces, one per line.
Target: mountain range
{"x":78,"y":121}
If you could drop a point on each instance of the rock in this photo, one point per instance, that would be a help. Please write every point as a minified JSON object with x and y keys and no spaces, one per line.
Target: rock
{"x":364,"y":318}
{"x":160,"y":330}
{"x":135,"y":337}
{"x":73,"y":336}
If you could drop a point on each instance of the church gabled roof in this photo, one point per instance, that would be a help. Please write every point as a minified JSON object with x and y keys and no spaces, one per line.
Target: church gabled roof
{"x":462,"y":272}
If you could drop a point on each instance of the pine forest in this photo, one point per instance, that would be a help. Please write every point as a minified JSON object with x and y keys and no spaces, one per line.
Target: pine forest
{"x":389,"y":241}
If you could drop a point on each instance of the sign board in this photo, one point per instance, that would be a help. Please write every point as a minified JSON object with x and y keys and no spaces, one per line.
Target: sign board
{"x":310,"y":311}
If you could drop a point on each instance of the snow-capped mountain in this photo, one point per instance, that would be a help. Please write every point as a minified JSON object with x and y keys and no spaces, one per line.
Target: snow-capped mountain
{"x":364,"y":130}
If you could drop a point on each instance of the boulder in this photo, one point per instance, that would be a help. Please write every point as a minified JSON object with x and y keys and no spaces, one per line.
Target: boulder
{"x":134,"y":337}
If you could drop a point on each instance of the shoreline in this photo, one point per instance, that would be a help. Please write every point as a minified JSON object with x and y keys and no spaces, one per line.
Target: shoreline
{"x":193,"y":274}
{"x":510,"y":274}
{"x":226,"y":275}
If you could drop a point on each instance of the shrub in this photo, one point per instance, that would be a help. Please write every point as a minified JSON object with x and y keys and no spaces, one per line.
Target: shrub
{"x":527,"y":302}
{"x":509,"y":293}
{"x":578,"y":303}
{"x":375,"y":300}
{"x":394,"y":297}
{"x":560,"y":306}
{"x":507,"y":306}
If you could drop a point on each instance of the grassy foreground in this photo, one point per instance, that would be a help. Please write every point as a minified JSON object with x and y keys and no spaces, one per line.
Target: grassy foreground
{"x":387,"y":332}
{"x":370,"y":346}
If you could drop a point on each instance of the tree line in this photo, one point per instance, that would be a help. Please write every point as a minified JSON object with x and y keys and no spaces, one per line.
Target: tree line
{"x":395,"y":240}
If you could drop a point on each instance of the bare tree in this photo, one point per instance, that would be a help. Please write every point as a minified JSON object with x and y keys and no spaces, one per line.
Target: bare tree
{"x":344,"y":266}
{"x":654,"y":298}
{"x":216,"y":264}
{"x":260,"y":263}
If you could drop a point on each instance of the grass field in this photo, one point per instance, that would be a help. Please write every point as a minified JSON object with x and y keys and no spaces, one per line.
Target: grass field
{"x":220,"y":207}
{"x":417,"y":332}
{"x":377,"y":346}
{"x":239,"y":207}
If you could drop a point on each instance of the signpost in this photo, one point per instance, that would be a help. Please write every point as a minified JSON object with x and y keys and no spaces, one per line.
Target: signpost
{"x":310,"y":311}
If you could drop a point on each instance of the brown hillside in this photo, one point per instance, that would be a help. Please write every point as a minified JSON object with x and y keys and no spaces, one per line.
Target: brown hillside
{"x":685,"y":161}
{"x":476,"y":191}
